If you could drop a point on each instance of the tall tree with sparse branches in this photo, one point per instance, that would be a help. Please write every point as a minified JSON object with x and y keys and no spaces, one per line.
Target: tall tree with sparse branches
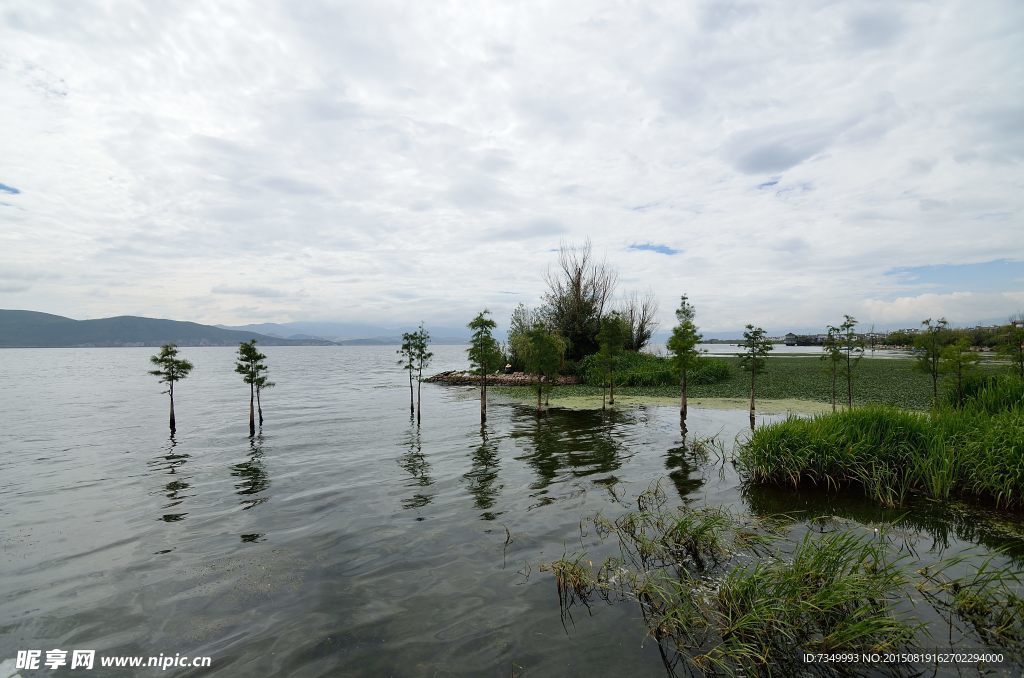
{"x":834,"y":355}
{"x":579,"y":291}
{"x":484,"y":354}
{"x":408,"y":363}
{"x":170,"y":369}
{"x":683,"y":347}
{"x":640,"y":314}
{"x":422,"y":356}
{"x":852,"y":348}
{"x":756,"y":347}
{"x":929,"y":342}
{"x":253,"y":370}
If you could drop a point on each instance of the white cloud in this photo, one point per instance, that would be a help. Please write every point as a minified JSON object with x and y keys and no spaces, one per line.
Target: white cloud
{"x":399,"y":160}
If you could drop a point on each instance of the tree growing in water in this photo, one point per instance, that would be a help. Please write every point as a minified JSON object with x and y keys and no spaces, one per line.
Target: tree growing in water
{"x":408,"y":363}
{"x":929,"y":342}
{"x":541,"y":351}
{"x":683,"y":347}
{"x":484,"y":354}
{"x":253,"y":370}
{"x":852,"y":348}
{"x":756,"y":347}
{"x":170,"y":369}
{"x":422,"y":356}
{"x":611,"y":340}
{"x":834,"y":355}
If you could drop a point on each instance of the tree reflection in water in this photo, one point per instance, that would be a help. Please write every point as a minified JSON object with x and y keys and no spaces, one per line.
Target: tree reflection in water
{"x":682,"y":462}
{"x":483,"y":474}
{"x":576,"y":443}
{"x":172,"y":463}
{"x":252,"y":474}
{"x":415,"y":463}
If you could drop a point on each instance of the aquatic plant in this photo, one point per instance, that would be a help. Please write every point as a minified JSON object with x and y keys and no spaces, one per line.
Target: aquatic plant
{"x":890,"y":454}
{"x":713,"y":610}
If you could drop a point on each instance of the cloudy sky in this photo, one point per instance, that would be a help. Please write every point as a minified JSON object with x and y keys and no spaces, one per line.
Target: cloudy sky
{"x":783,"y":163}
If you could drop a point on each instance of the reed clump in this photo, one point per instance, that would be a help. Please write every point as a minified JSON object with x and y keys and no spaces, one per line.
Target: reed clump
{"x":726,"y":594}
{"x":973,"y":450}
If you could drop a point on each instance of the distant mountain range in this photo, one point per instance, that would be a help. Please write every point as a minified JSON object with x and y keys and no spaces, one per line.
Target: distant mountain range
{"x":350,"y":334}
{"x":31,"y":329}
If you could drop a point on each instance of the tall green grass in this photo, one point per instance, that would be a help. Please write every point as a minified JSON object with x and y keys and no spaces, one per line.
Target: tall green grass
{"x":975,"y":450}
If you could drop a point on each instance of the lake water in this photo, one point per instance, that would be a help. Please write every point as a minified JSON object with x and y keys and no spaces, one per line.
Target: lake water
{"x":343,"y":540}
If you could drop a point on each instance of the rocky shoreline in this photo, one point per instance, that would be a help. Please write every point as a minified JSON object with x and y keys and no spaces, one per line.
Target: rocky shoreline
{"x":457,"y":378}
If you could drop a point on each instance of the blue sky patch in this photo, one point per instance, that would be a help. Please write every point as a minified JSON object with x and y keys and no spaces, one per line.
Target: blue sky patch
{"x":988,"y":276}
{"x":652,"y":247}
{"x":9,"y":189}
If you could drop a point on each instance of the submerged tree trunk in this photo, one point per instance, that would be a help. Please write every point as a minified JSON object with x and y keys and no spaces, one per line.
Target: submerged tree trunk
{"x":419,"y":396}
{"x":259,"y":406}
{"x":172,"y":407}
{"x":753,"y":374}
{"x":412,"y":401}
{"x":682,"y":396}
{"x":252,"y":417}
{"x":483,"y":394}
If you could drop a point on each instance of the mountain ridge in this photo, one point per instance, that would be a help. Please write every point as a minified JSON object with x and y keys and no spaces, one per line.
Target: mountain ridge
{"x":35,"y":329}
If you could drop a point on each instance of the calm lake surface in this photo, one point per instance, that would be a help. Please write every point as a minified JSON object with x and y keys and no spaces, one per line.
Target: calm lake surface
{"x":344,"y":540}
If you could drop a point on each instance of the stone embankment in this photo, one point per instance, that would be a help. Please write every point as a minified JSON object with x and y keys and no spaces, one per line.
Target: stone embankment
{"x":455,"y":378}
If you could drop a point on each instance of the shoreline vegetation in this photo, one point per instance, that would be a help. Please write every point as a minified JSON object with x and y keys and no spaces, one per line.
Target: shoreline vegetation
{"x":801,"y":382}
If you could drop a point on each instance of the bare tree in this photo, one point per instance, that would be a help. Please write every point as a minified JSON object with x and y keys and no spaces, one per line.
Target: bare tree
{"x":640,"y":314}
{"x":579,"y":290}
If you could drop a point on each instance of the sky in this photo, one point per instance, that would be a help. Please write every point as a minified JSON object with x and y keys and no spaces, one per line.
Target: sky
{"x":781,"y":163}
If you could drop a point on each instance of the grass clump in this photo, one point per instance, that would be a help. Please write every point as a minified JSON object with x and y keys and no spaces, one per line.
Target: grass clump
{"x":973,"y":451}
{"x":725,"y":595}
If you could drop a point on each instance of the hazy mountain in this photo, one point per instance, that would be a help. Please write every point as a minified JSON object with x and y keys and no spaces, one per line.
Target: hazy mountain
{"x":353,"y":334}
{"x":44,"y":330}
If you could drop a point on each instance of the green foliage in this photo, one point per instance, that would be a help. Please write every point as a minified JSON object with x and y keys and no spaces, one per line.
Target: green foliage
{"x":684,"y":340}
{"x":251,"y":366}
{"x":611,"y":339}
{"x":1011,"y":344}
{"x":756,"y":347}
{"x":890,"y":454}
{"x":484,"y":352}
{"x":929,"y":344}
{"x":900,"y":338}
{"x":959,"y":362}
{"x":579,"y":291}
{"x":541,"y":351}
{"x":169,"y":367}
